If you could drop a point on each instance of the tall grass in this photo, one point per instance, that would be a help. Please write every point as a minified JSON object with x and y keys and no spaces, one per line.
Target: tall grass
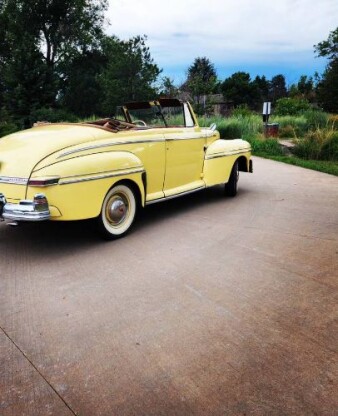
{"x":315,"y":133}
{"x":292,"y":126}
{"x":235,"y":127}
{"x":319,"y":144}
{"x":246,"y":126}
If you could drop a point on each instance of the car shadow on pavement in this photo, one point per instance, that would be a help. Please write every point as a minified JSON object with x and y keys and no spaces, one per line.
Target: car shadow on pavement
{"x":179,"y":207}
{"x":82,"y":234}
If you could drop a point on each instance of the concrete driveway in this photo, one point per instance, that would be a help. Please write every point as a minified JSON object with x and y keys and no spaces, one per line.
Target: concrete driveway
{"x":211,"y":306}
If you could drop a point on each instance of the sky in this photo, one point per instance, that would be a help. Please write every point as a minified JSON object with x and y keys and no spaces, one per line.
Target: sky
{"x":258,"y":36}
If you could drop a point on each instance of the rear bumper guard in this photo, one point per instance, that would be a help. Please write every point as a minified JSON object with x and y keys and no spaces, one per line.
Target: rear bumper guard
{"x":26,"y":210}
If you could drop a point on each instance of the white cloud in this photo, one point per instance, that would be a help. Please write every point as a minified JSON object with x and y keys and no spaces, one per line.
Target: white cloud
{"x":225,"y":30}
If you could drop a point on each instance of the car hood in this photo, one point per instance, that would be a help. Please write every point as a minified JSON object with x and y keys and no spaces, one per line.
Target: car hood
{"x":20,"y":152}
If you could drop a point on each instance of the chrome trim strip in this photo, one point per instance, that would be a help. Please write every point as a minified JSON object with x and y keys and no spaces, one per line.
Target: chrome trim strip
{"x":217,"y":155}
{"x":127,"y":170}
{"x":13,"y":180}
{"x":98,"y":177}
{"x":99,"y":146}
{"x":169,"y":139}
{"x":116,"y":143}
{"x":166,"y":198}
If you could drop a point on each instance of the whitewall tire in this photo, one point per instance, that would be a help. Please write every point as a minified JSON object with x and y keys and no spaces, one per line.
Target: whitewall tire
{"x":118,"y":212}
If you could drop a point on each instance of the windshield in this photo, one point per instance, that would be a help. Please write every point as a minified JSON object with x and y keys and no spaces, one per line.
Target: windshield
{"x":165,"y":112}
{"x":151,"y":116}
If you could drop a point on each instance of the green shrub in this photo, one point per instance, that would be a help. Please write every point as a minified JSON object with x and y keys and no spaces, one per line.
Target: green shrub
{"x":7,"y":128}
{"x":266,"y":146}
{"x":52,"y":115}
{"x":291,"y":106}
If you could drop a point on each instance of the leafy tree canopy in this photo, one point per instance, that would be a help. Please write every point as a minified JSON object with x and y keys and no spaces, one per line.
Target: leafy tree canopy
{"x":328,"y":48}
{"x":59,"y":28}
{"x":130,"y":73}
{"x":291,"y":106}
{"x":203,"y":69}
{"x":263,"y":87}
{"x":83,"y":80}
{"x":201,"y":80}
{"x":40,"y":39}
{"x":327,"y":87}
{"x":239,"y":89}
{"x":168,"y":88}
{"x":278,"y":87}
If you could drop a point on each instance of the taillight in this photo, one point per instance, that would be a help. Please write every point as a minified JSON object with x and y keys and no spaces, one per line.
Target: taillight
{"x":44,"y":181}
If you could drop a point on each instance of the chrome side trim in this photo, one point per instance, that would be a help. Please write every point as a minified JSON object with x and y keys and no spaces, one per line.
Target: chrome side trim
{"x":116,"y":143}
{"x":100,"y":146}
{"x":223,"y":154}
{"x":13,"y":180}
{"x":166,"y":198}
{"x":173,"y":139}
{"x":76,"y":179}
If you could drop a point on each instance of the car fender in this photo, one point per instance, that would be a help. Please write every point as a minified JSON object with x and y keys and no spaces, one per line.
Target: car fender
{"x":85,"y":180}
{"x":220,"y":157}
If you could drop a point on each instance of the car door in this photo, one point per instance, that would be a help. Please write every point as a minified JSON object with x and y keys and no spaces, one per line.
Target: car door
{"x":184,"y":160}
{"x":184,"y":157}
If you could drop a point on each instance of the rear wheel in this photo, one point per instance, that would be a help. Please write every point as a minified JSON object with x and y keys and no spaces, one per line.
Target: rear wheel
{"x":230,"y":188}
{"x":117,"y":213}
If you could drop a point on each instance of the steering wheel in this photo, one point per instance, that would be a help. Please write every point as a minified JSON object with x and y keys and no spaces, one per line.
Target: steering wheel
{"x":140,"y":123}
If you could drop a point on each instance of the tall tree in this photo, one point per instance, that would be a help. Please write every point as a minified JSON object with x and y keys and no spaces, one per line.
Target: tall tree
{"x":263,"y":86}
{"x":278,"y":87}
{"x":203,"y":68}
{"x":201,"y":80}
{"x":327,"y":87}
{"x":328,"y":48}
{"x":261,"y":91}
{"x":239,"y":89}
{"x":305,"y":85}
{"x":130,"y":73}
{"x":83,"y":80}
{"x":60,"y":28}
{"x":41,"y":38}
{"x":168,"y":88}
{"x":304,"y":89}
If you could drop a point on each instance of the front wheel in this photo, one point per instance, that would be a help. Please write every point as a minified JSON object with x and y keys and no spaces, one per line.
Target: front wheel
{"x":231,"y":187}
{"x":117,"y":213}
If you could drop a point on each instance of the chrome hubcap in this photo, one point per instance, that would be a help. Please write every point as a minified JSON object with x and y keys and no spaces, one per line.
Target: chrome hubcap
{"x":117,"y":209}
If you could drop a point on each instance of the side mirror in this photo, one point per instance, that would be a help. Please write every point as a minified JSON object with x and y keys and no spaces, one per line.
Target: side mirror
{"x":212,"y":127}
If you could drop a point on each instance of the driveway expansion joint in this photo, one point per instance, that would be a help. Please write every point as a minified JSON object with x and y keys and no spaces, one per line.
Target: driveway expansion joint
{"x":37,"y":370}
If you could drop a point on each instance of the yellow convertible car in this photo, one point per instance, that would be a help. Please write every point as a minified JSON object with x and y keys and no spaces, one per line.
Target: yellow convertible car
{"x":108,"y":169}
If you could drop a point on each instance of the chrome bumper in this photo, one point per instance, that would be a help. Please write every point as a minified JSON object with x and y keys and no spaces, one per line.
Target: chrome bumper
{"x":26,"y":210}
